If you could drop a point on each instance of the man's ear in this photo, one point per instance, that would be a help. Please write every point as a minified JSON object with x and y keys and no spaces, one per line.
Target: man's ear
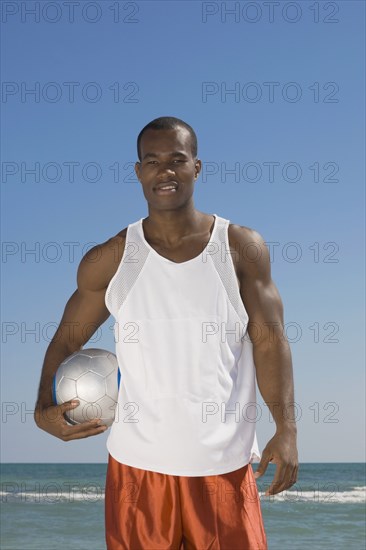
{"x":137,"y":170}
{"x":197,"y":168}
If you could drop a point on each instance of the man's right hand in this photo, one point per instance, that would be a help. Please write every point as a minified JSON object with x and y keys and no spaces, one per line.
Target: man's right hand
{"x":51,"y":420}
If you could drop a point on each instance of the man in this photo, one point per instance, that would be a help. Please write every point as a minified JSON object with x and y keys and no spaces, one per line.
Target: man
{"x":198,"y":319}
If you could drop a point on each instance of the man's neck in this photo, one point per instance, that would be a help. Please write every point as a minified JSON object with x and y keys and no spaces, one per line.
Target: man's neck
{"x":170,"y":226}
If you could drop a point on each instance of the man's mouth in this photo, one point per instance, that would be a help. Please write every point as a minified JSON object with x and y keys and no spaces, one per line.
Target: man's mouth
{"x":166,"y":188}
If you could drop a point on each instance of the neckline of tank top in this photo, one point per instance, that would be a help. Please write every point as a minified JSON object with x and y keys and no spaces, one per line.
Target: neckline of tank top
{"x":195,"y":259}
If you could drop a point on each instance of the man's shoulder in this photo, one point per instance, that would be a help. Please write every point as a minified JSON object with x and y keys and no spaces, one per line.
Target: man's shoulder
{"x":248,"y":248}
{"x":101,"y":262}
{"x":243,"y":235}
{"x":110,"y":249}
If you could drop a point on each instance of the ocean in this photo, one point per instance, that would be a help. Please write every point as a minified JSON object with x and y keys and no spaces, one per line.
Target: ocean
{"x":57,"y":506}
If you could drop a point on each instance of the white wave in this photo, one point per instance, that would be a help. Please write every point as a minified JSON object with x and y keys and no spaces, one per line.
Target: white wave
{"x":356,"y":495}
{"x":52,"y":497}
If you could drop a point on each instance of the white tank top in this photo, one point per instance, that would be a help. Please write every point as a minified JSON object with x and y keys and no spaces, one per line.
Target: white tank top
{"x":187,"y":398}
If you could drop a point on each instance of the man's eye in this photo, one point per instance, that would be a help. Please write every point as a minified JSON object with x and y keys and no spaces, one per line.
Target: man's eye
{"x":178,"y":160}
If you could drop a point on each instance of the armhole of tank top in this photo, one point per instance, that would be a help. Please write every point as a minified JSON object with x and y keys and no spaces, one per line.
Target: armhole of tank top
{"x":243,"y":314}
{"x":226,"y":271}
{"x":128,"y":271}
{"x":107,"y":292}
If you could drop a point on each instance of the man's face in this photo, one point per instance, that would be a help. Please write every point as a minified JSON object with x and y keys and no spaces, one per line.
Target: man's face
{"x":167,"y":169}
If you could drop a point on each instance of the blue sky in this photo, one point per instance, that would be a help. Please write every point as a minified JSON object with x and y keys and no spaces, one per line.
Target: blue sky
{"x":277,"y":97}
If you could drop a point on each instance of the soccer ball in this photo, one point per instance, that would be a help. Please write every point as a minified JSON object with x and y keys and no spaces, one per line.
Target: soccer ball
{"x":92,"y":376}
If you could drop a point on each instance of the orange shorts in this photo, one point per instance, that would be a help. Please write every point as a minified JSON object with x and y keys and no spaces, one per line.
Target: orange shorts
{"x":147,"y":510}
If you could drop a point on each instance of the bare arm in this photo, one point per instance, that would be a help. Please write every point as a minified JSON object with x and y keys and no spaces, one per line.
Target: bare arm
{"x":85,"y":311}
{"x":272,"y":355}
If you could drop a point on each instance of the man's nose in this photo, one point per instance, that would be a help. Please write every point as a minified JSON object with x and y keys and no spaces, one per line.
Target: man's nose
{"x":166,"y":168}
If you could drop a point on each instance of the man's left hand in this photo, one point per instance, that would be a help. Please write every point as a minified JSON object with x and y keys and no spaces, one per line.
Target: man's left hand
{"x":282,"y":451}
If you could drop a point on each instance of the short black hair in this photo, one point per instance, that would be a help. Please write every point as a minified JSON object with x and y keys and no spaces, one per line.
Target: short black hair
{"x":168,"y":123}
